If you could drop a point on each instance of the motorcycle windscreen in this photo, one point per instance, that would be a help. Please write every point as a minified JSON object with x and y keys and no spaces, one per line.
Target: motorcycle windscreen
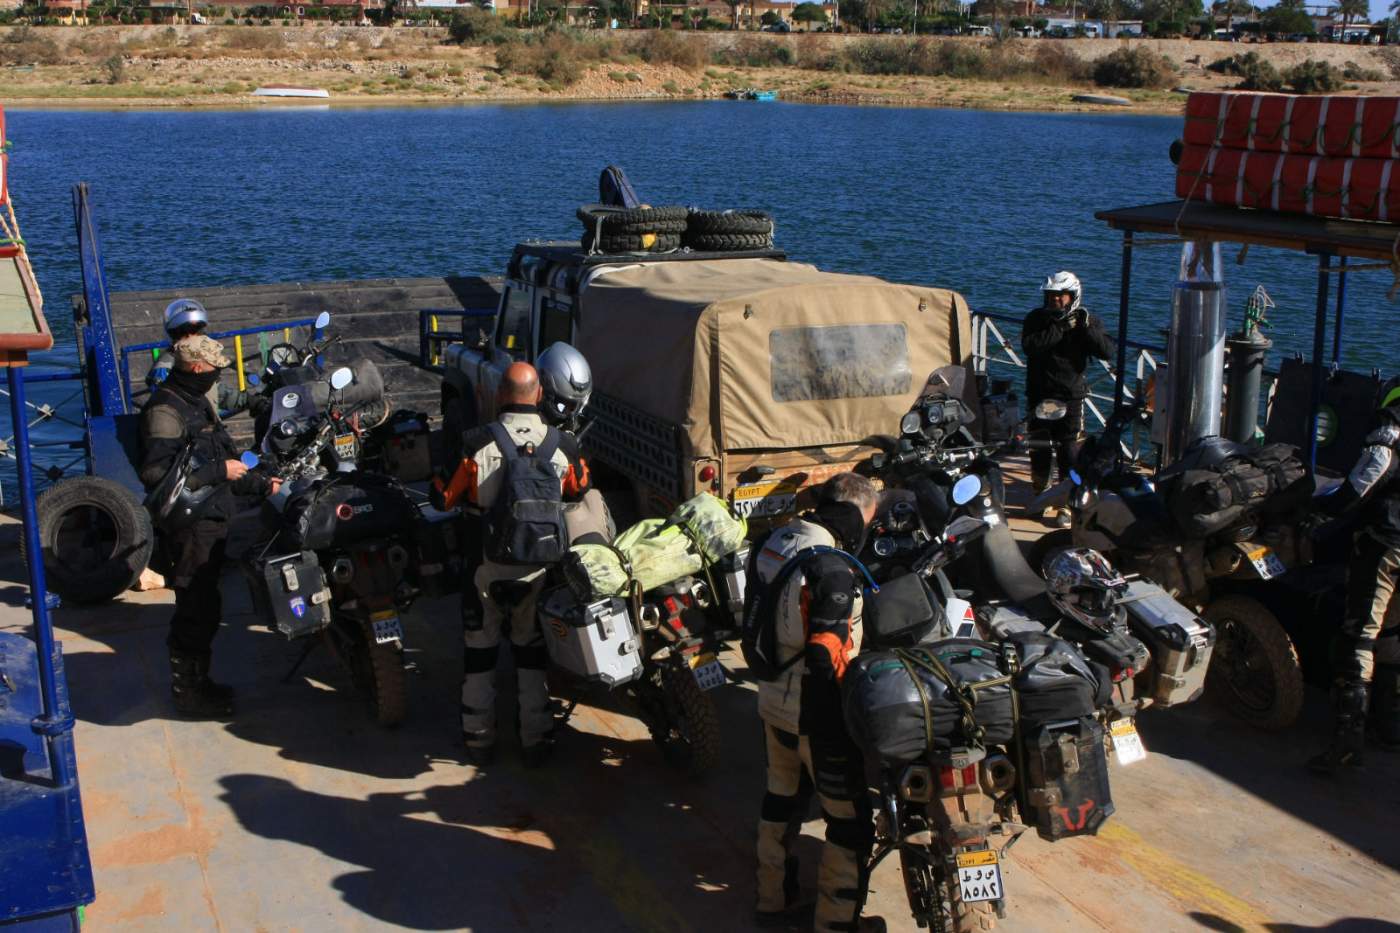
{"x":295,"y":404}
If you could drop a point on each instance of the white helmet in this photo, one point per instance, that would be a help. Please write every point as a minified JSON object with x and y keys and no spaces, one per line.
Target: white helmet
{"x":567,"y":382}
{"x":1064,"y":282}
{"x":1084,"y":586}
{"x":183,"y":312}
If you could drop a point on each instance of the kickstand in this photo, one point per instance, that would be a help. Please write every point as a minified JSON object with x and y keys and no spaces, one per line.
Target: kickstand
{"x":568,"y":712}
{"x":311,"y":644}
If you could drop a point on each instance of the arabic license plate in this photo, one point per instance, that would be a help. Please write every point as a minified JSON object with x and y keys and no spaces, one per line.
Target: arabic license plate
{"x":709,"y":673}
{"x":1127,"y":744}
{"x":759,"y":499}
{"x":345,"y":447}
{"x":1266,"y":562}
{"x":386,"y":627}
{"x":979,"y":876}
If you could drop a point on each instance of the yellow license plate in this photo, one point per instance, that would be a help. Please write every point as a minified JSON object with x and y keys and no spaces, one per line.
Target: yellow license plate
{"x":977,"y":859}
{"x":759,"y":499}
{"x":1127,"y":743}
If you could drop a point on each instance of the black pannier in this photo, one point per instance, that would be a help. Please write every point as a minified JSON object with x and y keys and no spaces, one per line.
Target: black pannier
{"x":1063,"y":784}
{"x":290,"y":592}
{"x":1055,"y":682}
{"x":345,"y":509}
{"x":922,"y":702}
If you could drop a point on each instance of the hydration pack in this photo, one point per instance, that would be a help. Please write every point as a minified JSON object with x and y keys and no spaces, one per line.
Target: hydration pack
{"x":526,"y":523}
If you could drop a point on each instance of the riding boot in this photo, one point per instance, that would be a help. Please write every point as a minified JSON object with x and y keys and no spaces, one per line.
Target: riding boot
{"x":1385,"y":707}
{"x":1349,"y":730}
{"x":188,"y":692}
{"x":211,"y":687}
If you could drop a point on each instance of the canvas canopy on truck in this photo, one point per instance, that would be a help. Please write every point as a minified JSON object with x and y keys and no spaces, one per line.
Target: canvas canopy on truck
{"x":749,"y":354}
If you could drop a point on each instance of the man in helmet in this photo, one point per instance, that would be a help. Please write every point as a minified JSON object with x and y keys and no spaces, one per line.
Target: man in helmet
{"x":566,"y":384}
{"x":1059,"y":338}
{"x":1366,"y":655}
{"x":185,"y":317}
{"x":179,"y":414}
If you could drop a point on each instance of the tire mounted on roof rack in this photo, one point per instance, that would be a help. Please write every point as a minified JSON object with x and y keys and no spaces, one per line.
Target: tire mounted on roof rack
{"x":728,"y":242}
{"x":632,"y":243}
{"x":728,"y":231}
{"x":642,"y":229}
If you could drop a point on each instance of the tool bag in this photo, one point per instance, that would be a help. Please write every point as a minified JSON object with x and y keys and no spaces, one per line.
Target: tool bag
{"x":923,"y":702}
{"x":525,"y":525}
{"x":1063,"y":788}
{"x":901,"y":614}
{"x":1270,"y":480}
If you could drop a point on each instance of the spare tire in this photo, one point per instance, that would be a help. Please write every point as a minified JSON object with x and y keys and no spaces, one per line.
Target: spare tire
{"x":638,"y":217}
{"x":633,"y":242}
{"x":729,"y":242}
{"x":714,"y":222}
{"x":96,"y":538}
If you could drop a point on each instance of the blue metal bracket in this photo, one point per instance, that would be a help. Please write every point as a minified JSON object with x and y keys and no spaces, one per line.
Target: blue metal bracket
{"x":104,"y":386}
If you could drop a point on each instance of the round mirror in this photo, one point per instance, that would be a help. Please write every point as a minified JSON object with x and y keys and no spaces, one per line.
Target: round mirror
{"x":249,"y":459}
{"x":1075,"y":478}
{"x":323,"y":320}
{"x":1052,"y":409}
{"x":966,"y":489}
{"x":253,"y":380}
{"x":341,"y":378}
{"x":910,"y":423}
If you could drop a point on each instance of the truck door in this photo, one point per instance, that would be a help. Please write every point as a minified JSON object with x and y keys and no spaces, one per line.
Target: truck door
{"x":510,"y":344}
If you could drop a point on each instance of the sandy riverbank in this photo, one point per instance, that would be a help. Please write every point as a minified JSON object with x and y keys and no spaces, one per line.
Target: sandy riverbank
{"x":218,"y":67}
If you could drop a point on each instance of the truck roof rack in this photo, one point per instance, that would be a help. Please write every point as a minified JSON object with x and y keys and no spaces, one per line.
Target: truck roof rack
{"x":571,"y":252}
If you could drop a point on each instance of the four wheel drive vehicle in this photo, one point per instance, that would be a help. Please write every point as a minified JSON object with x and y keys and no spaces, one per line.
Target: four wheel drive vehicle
{"x":739,"y":374}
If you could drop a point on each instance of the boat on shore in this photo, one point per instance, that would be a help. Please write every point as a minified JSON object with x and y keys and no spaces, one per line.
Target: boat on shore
{"x":288,"y":90}
{"x":751,"y":94}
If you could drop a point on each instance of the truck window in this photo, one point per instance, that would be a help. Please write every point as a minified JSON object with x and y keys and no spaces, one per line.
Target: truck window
{"x":513,"y":335}
{"x":555,"y":323}
{"x":841,"y":361}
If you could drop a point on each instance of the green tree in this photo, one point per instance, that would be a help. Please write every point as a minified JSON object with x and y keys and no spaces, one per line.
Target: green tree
{"x":1352,"y":11}
{"x":1230,"y":9}
{"x":1286,"y":18}
{"x":809,"y":13}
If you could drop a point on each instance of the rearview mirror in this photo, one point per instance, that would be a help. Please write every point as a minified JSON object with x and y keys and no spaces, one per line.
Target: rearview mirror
{"x":323,"y":320}
{"x":249,"y":459}
{"x":1051,"y":409}
{"x":966,"y":489}
{"x":341,"y":378}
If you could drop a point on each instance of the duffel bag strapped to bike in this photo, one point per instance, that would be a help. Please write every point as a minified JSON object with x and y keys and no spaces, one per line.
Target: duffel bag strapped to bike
{"x":908,"y":704}
{"x":596,"y":641}
{"x":1181,"y":643}
{"x":1054,"y":681}
{"x":290,"y":592}
{"x":1063,"y":786}
{"x":344,"y":509}
{"x":1268,"y":480}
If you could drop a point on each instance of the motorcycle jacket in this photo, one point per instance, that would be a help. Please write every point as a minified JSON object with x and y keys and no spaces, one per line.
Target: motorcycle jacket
{"x":1372,"y":488}
{"x":176,"y":415}
{"x":476,"y":481}
{"x":1058,"y":349}
{"x":818,"y":619}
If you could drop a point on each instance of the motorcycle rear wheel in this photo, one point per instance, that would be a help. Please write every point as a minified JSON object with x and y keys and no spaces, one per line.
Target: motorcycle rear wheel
{"x":683,"y":720}
{"x":376,"y":670}
{"x":1254,"y":671}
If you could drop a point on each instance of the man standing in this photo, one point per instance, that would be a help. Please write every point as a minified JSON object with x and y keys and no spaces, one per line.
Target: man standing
{"x":1367,"y":653}
{"x":817,"y":620}
{"x":516,"y":474}
{"x":184,"y":318}
{"x":1060,"y":338}
{"x":178,"y":415}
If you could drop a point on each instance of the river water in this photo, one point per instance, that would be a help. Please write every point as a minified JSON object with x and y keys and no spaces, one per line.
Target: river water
{"x":985,"y":203}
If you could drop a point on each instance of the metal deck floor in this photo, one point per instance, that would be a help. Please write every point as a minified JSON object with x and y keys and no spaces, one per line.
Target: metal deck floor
{"x":299,"y":815}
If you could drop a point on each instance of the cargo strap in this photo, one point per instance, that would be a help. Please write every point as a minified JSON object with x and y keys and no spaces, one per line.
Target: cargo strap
{"x":964,"y":693}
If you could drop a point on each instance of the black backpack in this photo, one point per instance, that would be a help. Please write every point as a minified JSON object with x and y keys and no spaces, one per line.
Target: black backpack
{"x":525,"y":525}
{"x":758,"y":639}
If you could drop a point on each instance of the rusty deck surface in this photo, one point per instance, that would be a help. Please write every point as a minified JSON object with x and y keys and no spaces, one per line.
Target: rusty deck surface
{"x":299,"y":815}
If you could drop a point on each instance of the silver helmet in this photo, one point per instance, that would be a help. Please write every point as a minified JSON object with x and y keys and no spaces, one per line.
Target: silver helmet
{"x":184,"y":312}
{"x":566,"y":381}
{"x":1084,"y":586}
{"x":1064,"y":282}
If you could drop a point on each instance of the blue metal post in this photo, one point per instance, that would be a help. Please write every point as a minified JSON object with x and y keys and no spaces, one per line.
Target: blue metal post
{"x":50,"y":723}
{"x":99,"y":344}
{"x":1319,"y":344}
{"x":1125,"y":279}
{"x":1341,"y":306}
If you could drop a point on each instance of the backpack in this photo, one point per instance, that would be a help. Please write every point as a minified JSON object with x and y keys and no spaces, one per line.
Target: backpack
{"x":758,"y":638}
{"x":526,"y":525}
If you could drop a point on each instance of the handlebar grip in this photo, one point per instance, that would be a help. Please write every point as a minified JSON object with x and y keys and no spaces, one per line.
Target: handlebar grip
{"x":1037,"y":444}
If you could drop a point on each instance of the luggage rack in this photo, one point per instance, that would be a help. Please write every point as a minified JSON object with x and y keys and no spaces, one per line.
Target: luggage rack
{"x":571,"y":252}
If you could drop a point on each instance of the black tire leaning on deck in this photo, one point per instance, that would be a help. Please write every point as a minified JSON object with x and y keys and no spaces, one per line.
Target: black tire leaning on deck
{"x":96,"y":538}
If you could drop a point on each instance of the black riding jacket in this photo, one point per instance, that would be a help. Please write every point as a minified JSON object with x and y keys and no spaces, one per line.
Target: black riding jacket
{"x":1057,"y":354}
{"x":175,"y":415}
{"x":1372,"y":489}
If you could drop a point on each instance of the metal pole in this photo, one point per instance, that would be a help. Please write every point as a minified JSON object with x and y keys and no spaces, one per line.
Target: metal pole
{"x":1341,"y":305}
{"x":50,"y":723}
{"x":1319,"y":335}
{"x":1125,"y":279}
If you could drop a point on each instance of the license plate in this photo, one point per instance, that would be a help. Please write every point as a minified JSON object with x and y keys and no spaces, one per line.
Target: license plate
{"x":1266,"y":562}
{"x":760,"y":499}
{"x":979,"y":876}
{"x":709,"y":673}
{"x":345,"y":447}
{"x":386,"y":627}
{"x":1127,"y":744}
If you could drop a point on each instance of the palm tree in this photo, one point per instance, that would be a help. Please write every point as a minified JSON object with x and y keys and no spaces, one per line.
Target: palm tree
{"x":1351,"y":11}
{"x":1232,"y":8}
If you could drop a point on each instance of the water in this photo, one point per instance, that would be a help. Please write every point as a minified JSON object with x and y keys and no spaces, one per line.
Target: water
{"x":985,"y":203}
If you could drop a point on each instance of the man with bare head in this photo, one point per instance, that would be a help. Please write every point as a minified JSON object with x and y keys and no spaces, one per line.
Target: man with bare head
{"x":516,"y":474}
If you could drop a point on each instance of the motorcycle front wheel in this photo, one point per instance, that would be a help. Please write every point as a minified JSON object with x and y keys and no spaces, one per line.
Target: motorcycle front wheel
{"x":376,"y":670}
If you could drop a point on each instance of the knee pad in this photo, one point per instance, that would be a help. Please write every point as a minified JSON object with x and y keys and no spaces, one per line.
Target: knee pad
{"x":530,"y":657}
{"x":508,"y":593}
{"x":479,"y":660}
{"x":854,"y":834}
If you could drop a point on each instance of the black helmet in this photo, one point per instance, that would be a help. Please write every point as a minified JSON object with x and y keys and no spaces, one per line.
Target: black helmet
{"x":1084,"y":586}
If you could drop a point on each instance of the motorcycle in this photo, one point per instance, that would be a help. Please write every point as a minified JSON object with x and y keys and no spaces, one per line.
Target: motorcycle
{"x":337,"y":559}
{"x":1118,"y":510}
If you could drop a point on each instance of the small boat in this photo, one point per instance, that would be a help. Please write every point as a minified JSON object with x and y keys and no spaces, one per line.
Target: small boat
{"x":288,"y":90}
{"x":761,"y":95}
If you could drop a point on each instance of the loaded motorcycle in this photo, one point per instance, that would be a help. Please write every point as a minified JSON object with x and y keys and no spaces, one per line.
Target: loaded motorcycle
{"x":337,"y":559}
{"x":1174,"y":530}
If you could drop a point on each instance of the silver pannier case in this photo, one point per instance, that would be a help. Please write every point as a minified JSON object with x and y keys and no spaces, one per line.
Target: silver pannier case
{"x":596,"y":641}
{"x":1180,"y":641}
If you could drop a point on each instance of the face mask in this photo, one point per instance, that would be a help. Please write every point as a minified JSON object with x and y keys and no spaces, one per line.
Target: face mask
{"x":197,"y":383}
